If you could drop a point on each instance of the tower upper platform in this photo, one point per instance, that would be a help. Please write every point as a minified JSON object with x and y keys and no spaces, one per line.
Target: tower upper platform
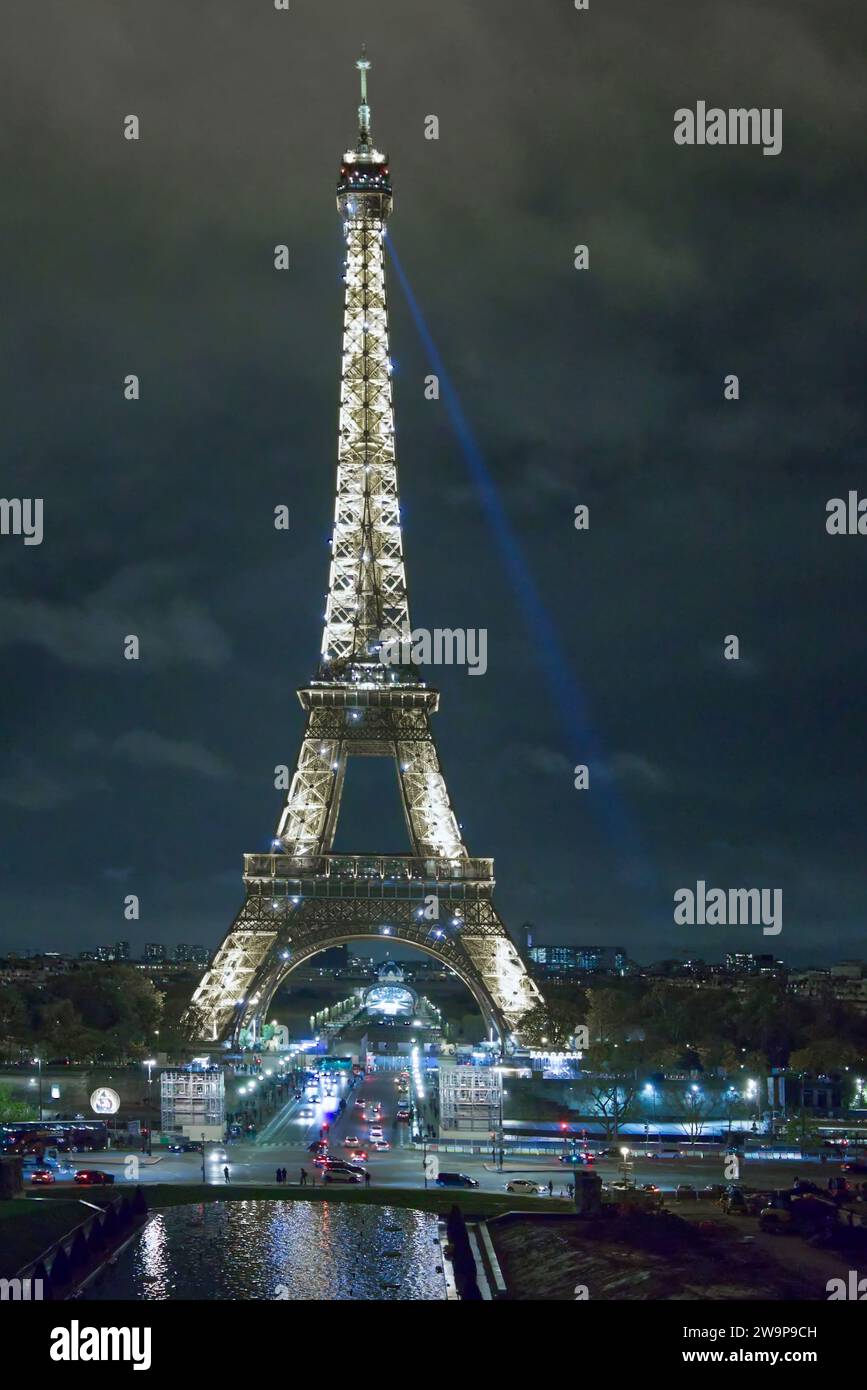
{"x":364,"y":186}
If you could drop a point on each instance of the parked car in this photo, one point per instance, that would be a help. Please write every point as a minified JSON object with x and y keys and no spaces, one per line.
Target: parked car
{"x":42,"y":1175}
{"x":455,"y":1180}
{"x":802,"y":1215}
{"x":92,"y":1177}
{"x":526,"y":1186}
{"x":342,"y":1175}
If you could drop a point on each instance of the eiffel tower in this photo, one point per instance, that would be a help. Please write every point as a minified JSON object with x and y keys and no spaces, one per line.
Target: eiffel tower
{"x":302,"y":897}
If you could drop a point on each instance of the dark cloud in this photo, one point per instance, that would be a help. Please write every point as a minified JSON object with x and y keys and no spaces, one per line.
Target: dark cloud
{"x":601,"y":387}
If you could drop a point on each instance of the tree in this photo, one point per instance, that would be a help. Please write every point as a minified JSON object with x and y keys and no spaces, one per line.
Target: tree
{"x":802,"y":1128}
{"x":12,"y":1110}
{"x":13,"y":1017}
{"x":550,"y":1025}
{"x":825,"y":1055}
{"x":613,"y":1105}
{"x":693,"y":1107}
{"x":118,"y":1005}
{"x":62,"y":1028}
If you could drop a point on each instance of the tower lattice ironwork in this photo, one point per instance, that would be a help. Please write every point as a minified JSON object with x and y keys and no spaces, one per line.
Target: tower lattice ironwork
{"x":302,"y":897}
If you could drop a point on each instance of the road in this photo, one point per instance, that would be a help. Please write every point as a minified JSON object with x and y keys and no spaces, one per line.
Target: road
{"x":283,"y":1143}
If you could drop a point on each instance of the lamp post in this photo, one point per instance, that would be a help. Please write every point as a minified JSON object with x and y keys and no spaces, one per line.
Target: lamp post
{"x":204,"y":1179}
{"x":38,"y":1061}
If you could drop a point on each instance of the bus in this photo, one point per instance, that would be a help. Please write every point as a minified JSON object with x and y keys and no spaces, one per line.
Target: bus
{"x":38,"y":1136}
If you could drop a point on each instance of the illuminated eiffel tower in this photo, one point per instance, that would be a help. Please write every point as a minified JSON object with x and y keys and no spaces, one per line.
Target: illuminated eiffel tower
{"x":302,"y":898}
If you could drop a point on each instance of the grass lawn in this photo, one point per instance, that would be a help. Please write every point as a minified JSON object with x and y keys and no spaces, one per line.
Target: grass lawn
{"x":28,"y":1227}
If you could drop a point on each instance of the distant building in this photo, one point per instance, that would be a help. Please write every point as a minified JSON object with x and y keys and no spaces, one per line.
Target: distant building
{"x":841,"y":981}
{"x":750,"y":963}
{"x":154,"y":951}
{"x":118,"y":951}
{"x":194,"y":955}
{"x":563,"y":962}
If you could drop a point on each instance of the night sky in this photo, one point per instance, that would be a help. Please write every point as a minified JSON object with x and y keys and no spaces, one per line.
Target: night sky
{"x":602,"y":387}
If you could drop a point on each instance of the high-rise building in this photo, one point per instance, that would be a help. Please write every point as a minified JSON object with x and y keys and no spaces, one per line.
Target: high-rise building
{"x":154,"y":951}
{"x":748,"y":963}
{"x":560,"y":960}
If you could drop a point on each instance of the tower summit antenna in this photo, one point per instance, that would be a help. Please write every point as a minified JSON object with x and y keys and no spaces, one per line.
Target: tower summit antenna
{"x":363,"y":65}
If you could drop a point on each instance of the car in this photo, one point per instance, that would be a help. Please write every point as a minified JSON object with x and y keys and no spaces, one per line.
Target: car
{"x":713,"y":1191}
{"x":92,"y":1177}
{"x":622,"y":1185}
{"x":376,"y":1132}
{"x":342,"y":1175}
{"x":685,"y":1192}
{"x":403,"y":1116}
{"x":185,"y":1147}
{"x":525,"y":1185}
{"x":455,"y":1180}
{"x":650,"y":1187}
{"x":317,"y":1146}
{"x":42,"y":1175}
{"x":855,"y":1166}
{"x":322,"y":1160}
{"x":344,"y":1163}
{"x":380,"y":1146}
{"x":351,"y":1141}
{"x":576,"y":1158}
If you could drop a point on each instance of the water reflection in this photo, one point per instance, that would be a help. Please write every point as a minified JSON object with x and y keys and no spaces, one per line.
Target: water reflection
{"x":279,"y":1250}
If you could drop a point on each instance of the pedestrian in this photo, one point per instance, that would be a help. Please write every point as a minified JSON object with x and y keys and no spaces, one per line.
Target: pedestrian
{"x":226,"y":1172}
{"x":279,"y":1175}
{"x":571,"y":1191}
{"x":550,"y":1189}
{"x":367,"y":1180}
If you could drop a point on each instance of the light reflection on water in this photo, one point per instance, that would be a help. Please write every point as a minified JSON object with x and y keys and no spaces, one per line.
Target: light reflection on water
{"x":279,"y":1250}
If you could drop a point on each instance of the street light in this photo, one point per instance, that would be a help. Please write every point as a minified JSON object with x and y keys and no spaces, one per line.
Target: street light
{"x":38,"y":1061}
